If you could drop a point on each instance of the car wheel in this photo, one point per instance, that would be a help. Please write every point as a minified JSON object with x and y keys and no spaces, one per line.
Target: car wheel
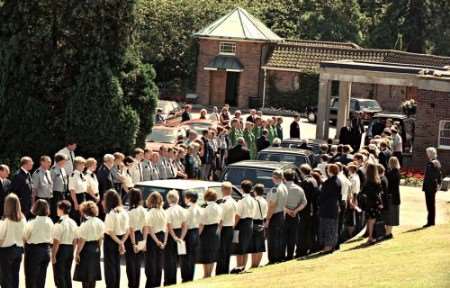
{"x":311,"y":117}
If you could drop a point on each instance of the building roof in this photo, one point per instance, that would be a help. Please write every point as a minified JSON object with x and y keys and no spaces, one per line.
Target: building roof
{"x":307,"y":55}
{"x":239,"y":24}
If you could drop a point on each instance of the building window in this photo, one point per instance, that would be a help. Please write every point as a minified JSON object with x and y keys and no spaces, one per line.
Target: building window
{"x":444,"y":134}
{"x":227,"y":48}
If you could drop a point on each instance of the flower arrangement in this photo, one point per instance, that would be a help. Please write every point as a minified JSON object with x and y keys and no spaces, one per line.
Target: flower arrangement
{"x":409,"y":107}
{"x":411,"y":177}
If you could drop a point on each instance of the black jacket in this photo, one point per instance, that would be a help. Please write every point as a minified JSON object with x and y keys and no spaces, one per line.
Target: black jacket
{"x":237,"y":153}
{"x":294,"y":131}
{"x":262,"y":143}
{"x":345,"y":135}
{"x":4,"y":190}
{"x":105,"y":180}
{"x":21,"y":186}
{"x":373,"y":192}
{"x":432,"y":179}
{"x":311,"y":189}
{"x":185,"y":116}
{"x":330,"y":196}
{"x":393,"y":177}
{"x":383,"y":157}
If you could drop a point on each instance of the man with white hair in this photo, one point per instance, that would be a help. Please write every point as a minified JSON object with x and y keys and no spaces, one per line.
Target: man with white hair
{"x":104,"y":176}
{"x":431,"y":184}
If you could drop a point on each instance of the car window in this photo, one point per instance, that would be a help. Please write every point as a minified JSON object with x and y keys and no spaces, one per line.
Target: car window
{"x":236,"y":174}
{"x":369,"y":104}
{"x":279,"y":157}
{"x":354,"y":105}
{"x":335,"y":103}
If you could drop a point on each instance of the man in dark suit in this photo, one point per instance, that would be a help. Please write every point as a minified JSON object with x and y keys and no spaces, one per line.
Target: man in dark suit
{"x":345,"y":134}
{"x":294,"y":131}
{"x":5,"y":184}
{"x":431,"y":183}
{"x":384,"y":155}
{"x":252,"y":116}
{"x":186,"y":115}
{"x":263,"y":141}
{"x":21,"y":185}
{"x":238,"y":152}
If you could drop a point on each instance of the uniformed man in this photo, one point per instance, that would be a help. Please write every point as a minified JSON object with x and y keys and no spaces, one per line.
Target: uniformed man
{"x":116,"y":170}
{"x":69,"y":152}
{"x":275,"y":218}
{"x":147,"y":165}
{"x":155,"y":174}
{"x":60,"y":180}
{"x":296,"y":202}
{"x":136,"y":172}
{"x":162,"y":165}
{"x":42,"y":183}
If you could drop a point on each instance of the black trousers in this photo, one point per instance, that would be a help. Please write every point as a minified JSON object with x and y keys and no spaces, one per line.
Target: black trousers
{"x":430,"y":200}
{"x":171,"y":260}
{"x":305,"y":237}
{"x":226,"y":242}
{"x":188,"y":261}
{"x":63,"y":267}
{"x":10,"y":260}
{"x":154,"y":261}
{"x":75,"y":214}
{"x":133,"y":261}
{"x":37,"y":258}
{"x":111,"y":262}
{"x":291,"y":227}
{"x":275,"y":239}
{"x":341,"y":219}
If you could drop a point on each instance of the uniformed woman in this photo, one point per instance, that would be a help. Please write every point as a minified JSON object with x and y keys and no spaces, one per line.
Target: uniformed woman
{"x":176,"y":227}
{"x":193,"y":216}
{"x":92,"y":192}
{"x":78,"y":187}
{"x":209,"y":230}
{"x":244,"y":224}
{"x":11,"y":241}
{"x":155,"y":235}
{"x":87,"y":256}
{"x":37,"y":237}
{"x":60,"y":181}
{"x":133,"y":255}
{"x":64,"y":240}
{"x":258,"y":243}
{"x":117,"y":225}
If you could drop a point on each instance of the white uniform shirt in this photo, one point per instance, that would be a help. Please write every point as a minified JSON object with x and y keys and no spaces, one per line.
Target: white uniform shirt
{"x":356,"y":184}
{"x":39,"y":230}
{"x":65,"y":230}
{"x":117,"y":222}
{"x":91,"y":230}
{"x":136,"y":172}
{"x":345,"y":186}
{"x":157,"y":220}
{"x":397,"y":143}
{"x":11,"y":233}
{"x":229,"y":208}
{"x":246,"y":207}
{"x":137,"y":218}
{"x":92,"y":182}
{"x":70,"y":156}
{"x":211,"y":214}
{"x":261,"y":209}
{"x":78,"y":182}
{"x":176,"y":215}
{"x":193,"y":216}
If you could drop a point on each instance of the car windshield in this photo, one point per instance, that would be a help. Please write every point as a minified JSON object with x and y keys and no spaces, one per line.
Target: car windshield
{"x":281,"y":157}
{"x":369,"y":104}
{"x":236,"y":174}
{"x":162,"y":135}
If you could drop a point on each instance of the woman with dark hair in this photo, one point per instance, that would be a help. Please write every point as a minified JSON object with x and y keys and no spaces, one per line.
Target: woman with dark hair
{"x":117,"y":224}
{"x":11,"y":241}
{"x":133,"y":255}
{"x":258,"y":243}
{"x":372,"y":190}
{"x":38,"y":237}
{"x":393,"y":176}
{"x":155,"y":235}
{"x":87,"y":255}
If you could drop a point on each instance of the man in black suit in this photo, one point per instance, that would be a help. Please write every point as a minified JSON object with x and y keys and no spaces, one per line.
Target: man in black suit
{"x":295,"y":128}
{"x":5,"y":184}
{"x":263,"y":141}
{"x":252,"y":116}
{"x":431,"y":183}
{"x":238,"y":152}
{"x":21,"y":185}
{"x":186,"y":115}
{"x":345,"y":134}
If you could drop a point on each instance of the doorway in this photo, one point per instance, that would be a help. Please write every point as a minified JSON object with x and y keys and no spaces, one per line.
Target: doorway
{"x":231,"y":92}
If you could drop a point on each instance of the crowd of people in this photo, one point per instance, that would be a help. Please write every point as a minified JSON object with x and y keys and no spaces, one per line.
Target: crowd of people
{"x":68,"y":210}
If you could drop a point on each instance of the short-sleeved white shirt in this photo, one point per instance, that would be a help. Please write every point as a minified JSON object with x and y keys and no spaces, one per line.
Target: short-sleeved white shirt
{"x":65,"y":230}
{"x":91,"y":230}
{"x":78,"y":182}
{"x":157,"y":220}
{"x":176,"y":216}
{"x":193,"y":216}
{"x":117,"y":222}
{"x":261,"y":209}
{"x":229,"y":209}
{"x":246,"y":207}
{"x":39,"y":230}
{"x":137,"y":218}
{"x":11,"y":232}
{"x":211,"y":214}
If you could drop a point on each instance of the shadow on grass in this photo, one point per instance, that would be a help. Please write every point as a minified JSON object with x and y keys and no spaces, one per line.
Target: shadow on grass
{"x":414,"y":229}
{"x":313,"y":256}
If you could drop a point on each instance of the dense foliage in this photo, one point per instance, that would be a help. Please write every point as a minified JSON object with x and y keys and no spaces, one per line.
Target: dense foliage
{"x":70,"y":70}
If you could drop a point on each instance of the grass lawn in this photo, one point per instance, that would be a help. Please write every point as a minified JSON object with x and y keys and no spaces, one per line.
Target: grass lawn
{"x":415,"y":258}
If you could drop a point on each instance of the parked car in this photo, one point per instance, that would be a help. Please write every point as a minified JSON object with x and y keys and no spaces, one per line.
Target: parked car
{"x":365,"y":107}
{"x":172,"y":111}
{"x":163,"y":135}
{"x":309,"y":144}
{"x":258,"y":171}
{"x":183,"y":186}
{"x":283,"y":154}
{"x":199,"y":125}
{"x":407,"y":127}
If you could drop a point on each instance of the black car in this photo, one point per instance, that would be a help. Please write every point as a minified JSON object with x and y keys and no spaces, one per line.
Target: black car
{"x":258,"y":171}
{"x":365,"y":107}
{"x":283,"y":154}
{"x":309,"y":144}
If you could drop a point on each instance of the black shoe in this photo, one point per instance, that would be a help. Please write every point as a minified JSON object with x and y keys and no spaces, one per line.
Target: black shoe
{"x":427,"y":225}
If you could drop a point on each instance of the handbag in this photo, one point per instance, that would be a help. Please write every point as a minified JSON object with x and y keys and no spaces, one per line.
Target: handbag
{"x":259,"y":227}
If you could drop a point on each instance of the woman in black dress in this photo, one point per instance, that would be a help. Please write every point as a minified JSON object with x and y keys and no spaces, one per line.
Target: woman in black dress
{"x":372,"y":191}
{"x":393,"y":176}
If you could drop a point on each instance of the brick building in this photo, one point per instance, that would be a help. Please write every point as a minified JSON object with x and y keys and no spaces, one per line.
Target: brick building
{"x":243,"y":63}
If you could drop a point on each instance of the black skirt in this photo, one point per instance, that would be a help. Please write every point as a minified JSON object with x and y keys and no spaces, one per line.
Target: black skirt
{"x":258,"y":243}
{"x":88,"y":269}
{"x":245,"y":228}
{"x":209,"y":244}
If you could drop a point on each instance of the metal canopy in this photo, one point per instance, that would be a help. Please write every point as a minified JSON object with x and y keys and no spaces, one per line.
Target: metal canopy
{"x":225,"y":63}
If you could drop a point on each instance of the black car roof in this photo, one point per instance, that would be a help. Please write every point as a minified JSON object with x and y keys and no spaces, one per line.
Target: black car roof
{"x":287,"y":150}
{"x":307,"y":141}
{"x":270,"y":165}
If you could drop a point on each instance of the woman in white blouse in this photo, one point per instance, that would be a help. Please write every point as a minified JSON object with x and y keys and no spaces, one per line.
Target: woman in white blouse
{"x":11,"y":241}
{"x":116,"y":233}
{"x":87,"y":256}
{"x":133,"y":255}
{"x":176,"y":227}
{"x":209,"y":230}
{"x":38,"y":237}
{"x":92,"y":182}
{"x":258,"y":243}
{"x":78,"y":187}
{"x":155,"y":235}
